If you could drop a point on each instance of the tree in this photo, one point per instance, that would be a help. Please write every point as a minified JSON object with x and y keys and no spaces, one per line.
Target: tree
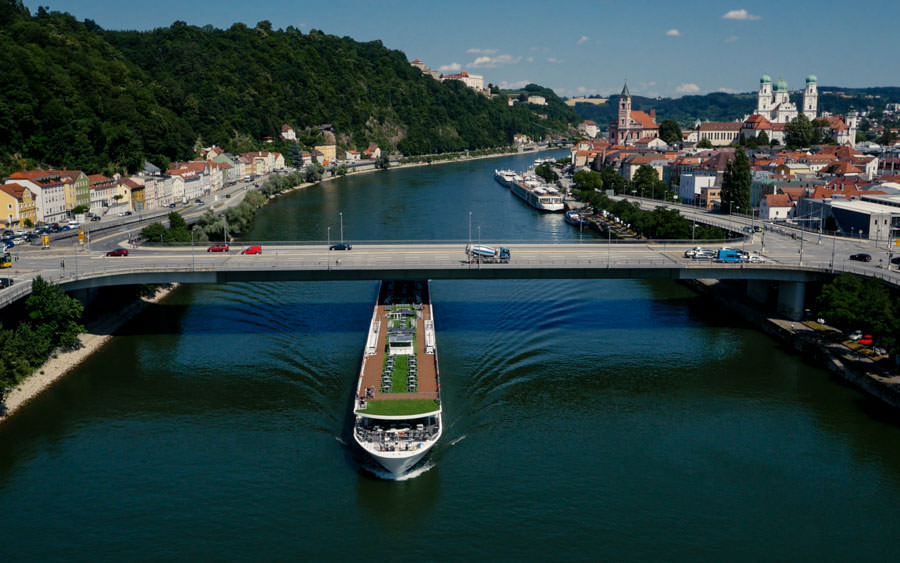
{"x":587,"y":180}
{"x":612,"y":179}
{"x":645,"y":179}
{"x":546,"y":172}
{"x":735,"y":194}
{"x":850,"y":302}
{"x":53,"y":312}
{"x":799,"y":132}
{"x":382,"y":162}
{"x":79,"y":209}
{"x":704,"y":144}
{"x":762,"y":139}
{"x":670,"y":131}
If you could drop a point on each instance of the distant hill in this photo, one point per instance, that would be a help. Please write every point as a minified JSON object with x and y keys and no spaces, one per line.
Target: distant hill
{"x":728,"y":107}
{"x":78,"y":96}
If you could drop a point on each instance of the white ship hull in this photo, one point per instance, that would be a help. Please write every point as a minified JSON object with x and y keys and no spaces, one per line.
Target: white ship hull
{"x":543,"y":202}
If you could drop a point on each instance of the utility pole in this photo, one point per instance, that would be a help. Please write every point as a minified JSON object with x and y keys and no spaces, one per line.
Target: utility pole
{"x":341,"y":214}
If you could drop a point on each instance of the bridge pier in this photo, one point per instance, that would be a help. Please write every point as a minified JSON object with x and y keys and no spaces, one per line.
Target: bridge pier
{"x":791,"y":298}
{"x":758,"y":290}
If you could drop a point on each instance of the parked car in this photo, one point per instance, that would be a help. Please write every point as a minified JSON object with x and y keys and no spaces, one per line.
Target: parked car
{"x":95,"y":218}
{"x":895,"y":260}
{"x":5,"y":282}
{"x":252,"y":249}
{"x":341,"y":246}
{"x":861,"y":257}
{"x":65,"y":228}
{"x":118,"y":252}
{"x":171,"y":206}
{"x":198,"y":200}
{"x":218,"y":247}
{"x":856,"y":335}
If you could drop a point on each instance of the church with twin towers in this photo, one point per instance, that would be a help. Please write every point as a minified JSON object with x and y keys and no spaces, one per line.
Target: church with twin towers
{"x":773,"y":101}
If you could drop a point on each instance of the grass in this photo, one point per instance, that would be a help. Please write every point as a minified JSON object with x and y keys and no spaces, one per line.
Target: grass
{"x":398,"y":383}
{"x":400,"y":408}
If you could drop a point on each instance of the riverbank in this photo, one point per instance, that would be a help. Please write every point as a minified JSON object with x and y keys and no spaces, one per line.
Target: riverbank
{"x":818,"y":344}
{"x":410,"y":165}
{"x":98,"y":333}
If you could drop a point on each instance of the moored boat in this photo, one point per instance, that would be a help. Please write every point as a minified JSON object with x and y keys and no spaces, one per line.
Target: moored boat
{"x":397,"y":404}
{"x":576,"y":219}
{"x":538,"y":194}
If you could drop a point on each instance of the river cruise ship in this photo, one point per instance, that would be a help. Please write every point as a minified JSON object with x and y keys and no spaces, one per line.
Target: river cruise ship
{"x":506,"y":177}
{"x":397,"y":404}
{"x":538,"y":194}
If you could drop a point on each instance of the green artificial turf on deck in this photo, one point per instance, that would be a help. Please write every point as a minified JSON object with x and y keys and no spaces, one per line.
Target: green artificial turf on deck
{"x":400,"y":408}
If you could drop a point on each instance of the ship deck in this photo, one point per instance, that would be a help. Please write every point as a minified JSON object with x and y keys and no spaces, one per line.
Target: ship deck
{"x":427,"y":387}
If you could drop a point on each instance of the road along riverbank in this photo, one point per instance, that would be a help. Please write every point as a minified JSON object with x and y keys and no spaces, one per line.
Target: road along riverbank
{"x":98,"y":333}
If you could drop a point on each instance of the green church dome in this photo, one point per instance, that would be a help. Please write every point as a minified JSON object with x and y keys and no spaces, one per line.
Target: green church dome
{"x":780,"y":85}
{"x":766,"y":79}
{"x":811,"y":79}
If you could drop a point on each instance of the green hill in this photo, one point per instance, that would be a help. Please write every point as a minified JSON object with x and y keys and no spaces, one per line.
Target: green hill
{"x":78,"y":96}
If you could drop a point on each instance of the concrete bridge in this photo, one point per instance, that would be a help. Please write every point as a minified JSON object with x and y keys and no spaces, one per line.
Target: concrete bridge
{"x":784,"y":271}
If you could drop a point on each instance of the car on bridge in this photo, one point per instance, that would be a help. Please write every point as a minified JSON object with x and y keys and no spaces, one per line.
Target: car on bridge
{"x":341,"y":246}
{"x":252,"y":249}
{"x":118,"y":252}
{"x":861,"y":257}
{"x":218,"y":247}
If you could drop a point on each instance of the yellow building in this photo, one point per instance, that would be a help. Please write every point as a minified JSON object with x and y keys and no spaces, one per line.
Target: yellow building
{"x":17,"y":205}
{"x":328,"y":151}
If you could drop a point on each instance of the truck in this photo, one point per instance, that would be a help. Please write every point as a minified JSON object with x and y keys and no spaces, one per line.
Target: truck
{"x":479,"y":253}
{"x":728,"y":256}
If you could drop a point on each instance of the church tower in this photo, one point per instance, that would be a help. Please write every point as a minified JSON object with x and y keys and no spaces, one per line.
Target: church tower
{"x":624,"y":122}
{"x":852,"y":122}
{"x":811,"y":98}
{"x":764,"y":98}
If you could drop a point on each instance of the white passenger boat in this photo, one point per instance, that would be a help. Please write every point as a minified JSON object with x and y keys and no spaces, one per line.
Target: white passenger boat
{"x":397,"y":404}
{"x":538,"y":194}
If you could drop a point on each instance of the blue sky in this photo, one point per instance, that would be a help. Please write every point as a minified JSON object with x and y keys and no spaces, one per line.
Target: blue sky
{"x":662,"y":48}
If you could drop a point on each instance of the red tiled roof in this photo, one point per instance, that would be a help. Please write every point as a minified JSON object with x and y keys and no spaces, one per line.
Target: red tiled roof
{"x":15,"y":190}
{"x":779,"y":200}
{"x":644,"y":119}
{"x":721,"y":126}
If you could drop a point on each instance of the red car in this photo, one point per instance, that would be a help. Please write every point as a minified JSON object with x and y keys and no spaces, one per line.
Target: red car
{"x":118,"y":252}
{"x":252,"y":249}
{"x":218,"y":247}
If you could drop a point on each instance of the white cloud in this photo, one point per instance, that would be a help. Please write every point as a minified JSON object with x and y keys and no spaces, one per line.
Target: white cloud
{"x":529,"y":60}
{"x":554,"y":60}
{"x":452,"y":67}
{"x":673,"y":33}
{"x":582,"y":40}
{"x":481,"y":51}
{"x":731,"y":39}
{"x":491,"y":62}
{"x":687,"y":88}
{"x":504,"y":85}
{"x":740,"y":15}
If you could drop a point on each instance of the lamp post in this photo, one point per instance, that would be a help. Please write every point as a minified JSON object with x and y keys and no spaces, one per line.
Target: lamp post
{"x":470,"y":228}
{"x":328,"y":235}
{"x":341,"y":214}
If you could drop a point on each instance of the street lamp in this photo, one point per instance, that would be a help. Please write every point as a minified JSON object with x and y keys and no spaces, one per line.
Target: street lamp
{"x":470,"y":228}
{"x":341,"y":214}
{"x":328,"y":235}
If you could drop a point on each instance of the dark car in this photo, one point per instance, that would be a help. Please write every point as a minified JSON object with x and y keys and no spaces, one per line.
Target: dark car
{"x":5,"y":282}
{"x":171,"y":206}
{"x":861,"y":257}
{"x":95,"y":218}
{"x":118,"y":252}
{"x":218,"y":247}
{"x":341,"y":246}
{"x":895,"y":260}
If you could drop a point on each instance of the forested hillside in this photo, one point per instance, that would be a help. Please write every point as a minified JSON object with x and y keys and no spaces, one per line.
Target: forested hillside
{"x":719,"y":106}
{"x":78,"y":96}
